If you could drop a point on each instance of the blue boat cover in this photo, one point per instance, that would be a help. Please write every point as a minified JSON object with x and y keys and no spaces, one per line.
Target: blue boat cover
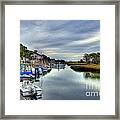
{"x":27,"y":73}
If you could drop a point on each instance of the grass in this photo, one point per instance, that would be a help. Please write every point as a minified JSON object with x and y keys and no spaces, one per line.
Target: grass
{"x":75,"y":63}
{"x":86,"y":67}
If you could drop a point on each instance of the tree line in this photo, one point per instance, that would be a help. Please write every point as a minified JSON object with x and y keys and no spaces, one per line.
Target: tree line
{"x":91,"y":58}
{"x":24,"y":52}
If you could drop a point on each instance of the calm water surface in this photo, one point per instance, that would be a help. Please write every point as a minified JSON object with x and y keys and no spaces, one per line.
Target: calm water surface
{"x":66,"y":84}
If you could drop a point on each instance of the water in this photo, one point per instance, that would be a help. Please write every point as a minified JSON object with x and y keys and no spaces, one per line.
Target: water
{"x":66,"y":84}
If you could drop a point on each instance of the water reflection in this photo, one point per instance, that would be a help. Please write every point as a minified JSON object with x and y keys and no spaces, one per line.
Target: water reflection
{"x":66,"y":84}
{"x":63,"y":83}
{"x":91,"y":75}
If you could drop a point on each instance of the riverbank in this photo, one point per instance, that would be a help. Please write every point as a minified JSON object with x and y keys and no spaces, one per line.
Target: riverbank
{"x":83,"y":67}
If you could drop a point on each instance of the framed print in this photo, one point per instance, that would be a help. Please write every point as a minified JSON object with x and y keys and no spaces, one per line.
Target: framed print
{"x":60,"y":59}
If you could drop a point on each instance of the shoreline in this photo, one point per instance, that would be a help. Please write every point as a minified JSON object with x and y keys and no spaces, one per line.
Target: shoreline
{"x":85,"y":67}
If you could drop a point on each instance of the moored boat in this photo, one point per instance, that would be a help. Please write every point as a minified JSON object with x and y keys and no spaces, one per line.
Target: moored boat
{"x":28,"y":89}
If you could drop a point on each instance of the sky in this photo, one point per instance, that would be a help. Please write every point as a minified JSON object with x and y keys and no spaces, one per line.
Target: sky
{"x":61,"y":39}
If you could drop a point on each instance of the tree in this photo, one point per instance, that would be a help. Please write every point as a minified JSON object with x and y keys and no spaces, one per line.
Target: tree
{"x":92,"y":58}
{"x":86,"y":57}
{"x":24,"y":52}
{"x":95,"y":58}
{"x":81,"y":61}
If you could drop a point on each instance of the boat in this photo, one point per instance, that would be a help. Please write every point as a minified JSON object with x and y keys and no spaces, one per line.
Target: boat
{"x":24,"y":77}
{"x":28,"y":89}
{"x":26,"y":72}
{"x":44,"y":69}
{"x":40,"y":70}
{"x":26,"y":69}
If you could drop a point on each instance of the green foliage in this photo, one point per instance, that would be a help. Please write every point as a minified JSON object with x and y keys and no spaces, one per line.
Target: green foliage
{"x":92,"y":58}
{"x":24,"y":52}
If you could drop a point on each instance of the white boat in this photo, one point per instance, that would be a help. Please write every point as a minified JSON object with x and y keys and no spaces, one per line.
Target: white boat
{"x":27,"y":89}
{"x":40,"y":70}
{"x":33,"y":70}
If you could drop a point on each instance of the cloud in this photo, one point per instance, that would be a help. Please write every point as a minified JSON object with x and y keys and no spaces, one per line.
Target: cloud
{"x":66,"y":39}
{"x":84,"y":42}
